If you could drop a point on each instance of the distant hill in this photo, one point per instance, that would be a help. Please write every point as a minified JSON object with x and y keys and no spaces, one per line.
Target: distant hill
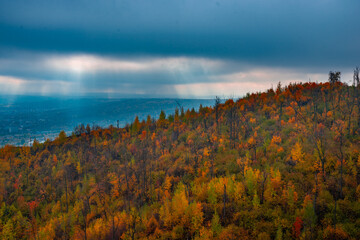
{"x":280,"y":164}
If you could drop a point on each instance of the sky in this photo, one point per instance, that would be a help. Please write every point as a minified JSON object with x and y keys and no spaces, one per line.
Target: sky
{"x":177,"y":48}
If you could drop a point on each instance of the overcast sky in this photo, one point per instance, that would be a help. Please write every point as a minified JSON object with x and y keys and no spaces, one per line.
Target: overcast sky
{"x":177,"y":48}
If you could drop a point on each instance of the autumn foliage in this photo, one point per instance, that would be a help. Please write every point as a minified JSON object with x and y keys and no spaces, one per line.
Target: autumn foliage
{"x":282,"y":164}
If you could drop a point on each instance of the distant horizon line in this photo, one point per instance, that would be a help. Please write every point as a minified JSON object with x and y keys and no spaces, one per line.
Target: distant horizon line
{"x":105,"y":96}
{"x":147,"y":96}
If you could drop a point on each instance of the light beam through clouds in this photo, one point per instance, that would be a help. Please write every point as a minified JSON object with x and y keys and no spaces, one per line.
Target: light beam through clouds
{"x":190,"y":77}
{"x":187,"y":48}
{"x":95,"y":64}
{"x":14,"y":85}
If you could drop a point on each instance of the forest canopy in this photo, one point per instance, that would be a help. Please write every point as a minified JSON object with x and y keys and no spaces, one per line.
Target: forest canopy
{"x":279,"y":164}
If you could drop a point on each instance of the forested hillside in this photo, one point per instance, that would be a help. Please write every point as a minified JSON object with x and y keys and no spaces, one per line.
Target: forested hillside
{"x":281,"y":164}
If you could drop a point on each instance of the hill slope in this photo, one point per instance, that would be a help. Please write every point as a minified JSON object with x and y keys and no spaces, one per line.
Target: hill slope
{"x":283,"y":164}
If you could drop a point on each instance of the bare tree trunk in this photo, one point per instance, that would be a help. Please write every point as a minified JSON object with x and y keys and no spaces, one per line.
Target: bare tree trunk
{"x":263,"y":187}
{"x":315,"y":195}
{"x":224,"y":200}
{"x":66,"y":194}
{"x":113,"y":226}
{"x":335,"y":213}
{"x":127,"y":187}
{"x":217,"y":104}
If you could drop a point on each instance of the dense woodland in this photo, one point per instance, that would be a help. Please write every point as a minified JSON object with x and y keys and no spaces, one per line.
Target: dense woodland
{"x":281,"y":164}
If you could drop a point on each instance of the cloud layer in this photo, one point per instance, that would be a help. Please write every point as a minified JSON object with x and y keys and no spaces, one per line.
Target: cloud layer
{"x":143,"y":76}
{"x":181,"y":48}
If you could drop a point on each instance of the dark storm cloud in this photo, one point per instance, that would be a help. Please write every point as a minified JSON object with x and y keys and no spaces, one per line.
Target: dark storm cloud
{"x":305,"y":37}
{"x":297,"y":33}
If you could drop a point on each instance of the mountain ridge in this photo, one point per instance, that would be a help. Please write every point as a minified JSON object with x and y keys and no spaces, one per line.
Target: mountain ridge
{"x":279,"y":164}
